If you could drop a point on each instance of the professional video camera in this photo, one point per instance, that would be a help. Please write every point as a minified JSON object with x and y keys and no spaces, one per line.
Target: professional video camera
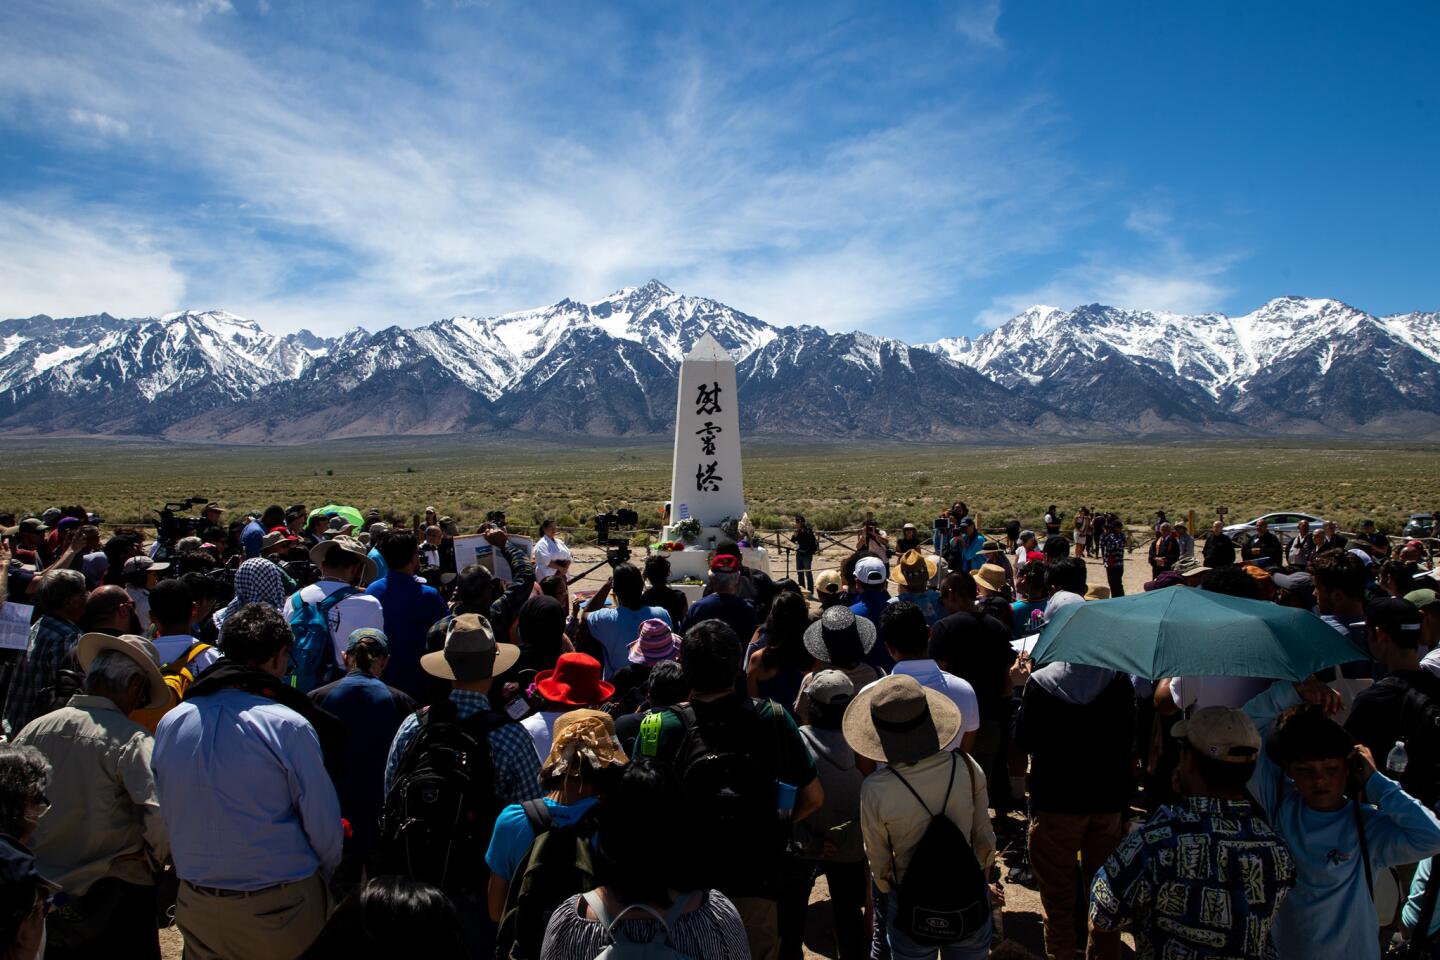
{"x":496,"y":517}
{"x":617,"y":549}
{"x":170,"y":528}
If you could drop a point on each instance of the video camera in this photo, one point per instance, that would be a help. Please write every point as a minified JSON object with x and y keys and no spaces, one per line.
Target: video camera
{"x":496,"y":517}
{"x":170,"y":528}
{"x":617,"y":549}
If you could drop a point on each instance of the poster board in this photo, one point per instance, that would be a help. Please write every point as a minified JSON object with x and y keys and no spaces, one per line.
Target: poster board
{"x":15,"y":626}
{"x":472,"y":548}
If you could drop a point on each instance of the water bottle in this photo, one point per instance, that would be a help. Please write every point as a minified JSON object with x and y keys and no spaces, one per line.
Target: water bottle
{"x":1397,"y":759}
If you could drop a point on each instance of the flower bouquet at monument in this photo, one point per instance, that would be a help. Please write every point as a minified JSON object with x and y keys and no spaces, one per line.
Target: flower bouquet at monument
{"x":687,"y":530}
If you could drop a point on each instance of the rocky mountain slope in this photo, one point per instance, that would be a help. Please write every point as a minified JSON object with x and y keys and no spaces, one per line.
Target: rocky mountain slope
{"x":609,"y":368}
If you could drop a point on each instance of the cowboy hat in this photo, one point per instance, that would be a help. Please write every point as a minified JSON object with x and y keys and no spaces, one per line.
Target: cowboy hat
{"x":471,"y":652}
{"x":991,"y":576}
{"x":839,"y":630}
{"x":575,"y":681}
{"x":140,"y":650}
{"x":895,"y":720}
{"x":912,"y":560}
{"x":350,"y":545}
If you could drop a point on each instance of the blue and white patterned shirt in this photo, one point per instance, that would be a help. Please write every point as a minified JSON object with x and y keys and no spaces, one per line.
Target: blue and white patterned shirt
{"x":517,"y":768}
{"x":1202,"y":878}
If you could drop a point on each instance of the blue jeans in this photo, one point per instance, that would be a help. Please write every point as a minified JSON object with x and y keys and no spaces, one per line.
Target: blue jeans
{"x":803,"y":577}
{"x":902,"y":947}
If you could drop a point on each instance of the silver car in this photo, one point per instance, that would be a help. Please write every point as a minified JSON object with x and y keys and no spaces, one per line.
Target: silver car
{"x":1281,"y":524}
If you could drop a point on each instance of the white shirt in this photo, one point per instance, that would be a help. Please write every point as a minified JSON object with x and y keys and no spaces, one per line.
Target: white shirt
{"x":431,"y":554}
{"x":1201,"y":692}
{"x":927,"y":673}
{"x":353,"y":613}
{"x":141,"y":598}
{"x":541,"y":727}
{"x":546,"y":551}
{"x":173,"y":646}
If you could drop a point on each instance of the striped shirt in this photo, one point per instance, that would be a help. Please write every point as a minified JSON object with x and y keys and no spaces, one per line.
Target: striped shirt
{"x":712,"y":931}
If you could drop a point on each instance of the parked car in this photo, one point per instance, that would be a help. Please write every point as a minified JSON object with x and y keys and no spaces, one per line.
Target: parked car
{"x":1281,"y":524}
{"x":1420,"y":525}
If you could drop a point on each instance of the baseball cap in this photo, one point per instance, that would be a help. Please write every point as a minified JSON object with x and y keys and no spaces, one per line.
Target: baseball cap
{"x":831,"y":687}
{"x":1422,"y":598}
{"x":908,"y":526}
{"x":1395,"y":616}
{"x":870,"y":570}
{"x":51,"y":514}
{"x":725,"y":563}
{"x":32,"y":525}
{"x":1365,"y":558}
{"x":143,"y":563}
{"x":375,"y":637}
{"x":1220,"y":733}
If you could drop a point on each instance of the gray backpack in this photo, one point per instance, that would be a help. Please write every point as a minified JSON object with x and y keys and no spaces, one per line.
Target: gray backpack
{"x":623,"y":948}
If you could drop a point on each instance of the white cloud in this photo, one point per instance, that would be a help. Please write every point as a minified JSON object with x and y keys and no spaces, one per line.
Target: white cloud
{"x":61,"y":267}
{"x":103,"y":124}
{"x":977,"y":20}
{"x":344,"y":188}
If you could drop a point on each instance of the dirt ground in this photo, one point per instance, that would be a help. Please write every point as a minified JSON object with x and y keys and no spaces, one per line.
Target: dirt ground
{"x":1022,"y":917}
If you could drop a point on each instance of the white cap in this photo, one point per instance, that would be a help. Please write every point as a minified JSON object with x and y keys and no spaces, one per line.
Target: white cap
{"x":870,"y":570}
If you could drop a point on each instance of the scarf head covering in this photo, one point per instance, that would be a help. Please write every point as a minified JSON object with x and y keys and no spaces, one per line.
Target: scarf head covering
{"x":257,"y":581}
{"x":582,"y":735}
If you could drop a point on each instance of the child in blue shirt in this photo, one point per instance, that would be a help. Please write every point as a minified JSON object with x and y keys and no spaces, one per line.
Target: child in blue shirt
{"x":1319,"y":788}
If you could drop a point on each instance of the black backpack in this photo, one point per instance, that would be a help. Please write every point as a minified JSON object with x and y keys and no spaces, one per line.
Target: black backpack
{"x":943,"y":897}
{"x":732,"y":791}
{"x":1420,"y":721}
{"x":558,"y":865}
{"x":442,"y":807}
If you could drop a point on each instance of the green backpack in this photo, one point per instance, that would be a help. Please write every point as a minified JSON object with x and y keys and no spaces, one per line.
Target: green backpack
{"x":558,"y":865}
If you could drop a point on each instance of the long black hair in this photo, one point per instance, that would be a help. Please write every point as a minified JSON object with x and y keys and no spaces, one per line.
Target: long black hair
{"x":390,"y":917}
{"x":630,"y":863}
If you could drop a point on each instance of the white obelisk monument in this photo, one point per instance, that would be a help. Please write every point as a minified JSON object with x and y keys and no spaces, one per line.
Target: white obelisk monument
{"x":707,"y":481}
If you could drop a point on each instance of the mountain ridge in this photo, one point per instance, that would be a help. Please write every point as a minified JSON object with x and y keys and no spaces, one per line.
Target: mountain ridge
{"x":1295,"y":365}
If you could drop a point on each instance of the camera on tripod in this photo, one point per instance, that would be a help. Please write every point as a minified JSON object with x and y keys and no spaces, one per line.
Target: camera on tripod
{"x":170,"y":528}
{"x":617,"y":549}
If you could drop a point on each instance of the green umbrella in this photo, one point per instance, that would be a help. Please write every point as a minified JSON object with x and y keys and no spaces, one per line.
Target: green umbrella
{"x":349,"y":514}
{"x":1180,"y":631}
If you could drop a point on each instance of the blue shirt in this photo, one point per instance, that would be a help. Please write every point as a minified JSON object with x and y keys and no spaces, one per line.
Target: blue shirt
{"x":517,"y":768}
{"x":371,"y":712}
{"x":410,"y":608}
{"x":381,"y":570}
{"x":244,"y":793}
{"x":615,"y":628}
{"x":727,"y":608}
{"x":928,"y":601}
{"x":1330,"y":913}
{"x":1202,"y":878}
{"x":513,"y":834}
{"x":252,"y":538}
{"x":871,"y":605}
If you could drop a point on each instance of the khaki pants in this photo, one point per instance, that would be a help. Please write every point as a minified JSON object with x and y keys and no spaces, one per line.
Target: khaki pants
{"x":1055,"y":841}
{"x":762,"y":926}
{"x":278,"y":923}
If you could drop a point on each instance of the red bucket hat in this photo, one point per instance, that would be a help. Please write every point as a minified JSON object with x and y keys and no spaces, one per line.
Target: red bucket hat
{"x":575,"y":681}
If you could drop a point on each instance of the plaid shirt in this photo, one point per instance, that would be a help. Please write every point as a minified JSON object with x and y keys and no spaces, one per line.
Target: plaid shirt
{"x":52,"y":648}
{"x":1203,"y":878}
{"x":517,"y":768}
{"x":1112,"y":548}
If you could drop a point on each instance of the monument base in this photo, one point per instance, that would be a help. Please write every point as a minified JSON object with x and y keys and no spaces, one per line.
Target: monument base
{"x":694,"y":560}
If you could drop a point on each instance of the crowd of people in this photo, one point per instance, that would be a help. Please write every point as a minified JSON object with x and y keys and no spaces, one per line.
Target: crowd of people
{"x":299,"y":736}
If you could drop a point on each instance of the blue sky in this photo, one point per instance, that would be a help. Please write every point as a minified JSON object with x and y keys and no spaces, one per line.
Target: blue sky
{"x":916,"y":170}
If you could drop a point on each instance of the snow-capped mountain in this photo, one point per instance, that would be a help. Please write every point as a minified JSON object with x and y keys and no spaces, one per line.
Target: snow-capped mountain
{"x":1302,"y":363}
{"x":609,"y":368}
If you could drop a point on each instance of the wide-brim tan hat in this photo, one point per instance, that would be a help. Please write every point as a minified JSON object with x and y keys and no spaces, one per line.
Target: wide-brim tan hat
{"x":1097,"y":591}
{"x":349,"y":545}
{"x":912,"y":560}
{"x":896,"y":720}
{"x":471,"y":652}
{"x":991,"y":576}
{"x":140,"y":650}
